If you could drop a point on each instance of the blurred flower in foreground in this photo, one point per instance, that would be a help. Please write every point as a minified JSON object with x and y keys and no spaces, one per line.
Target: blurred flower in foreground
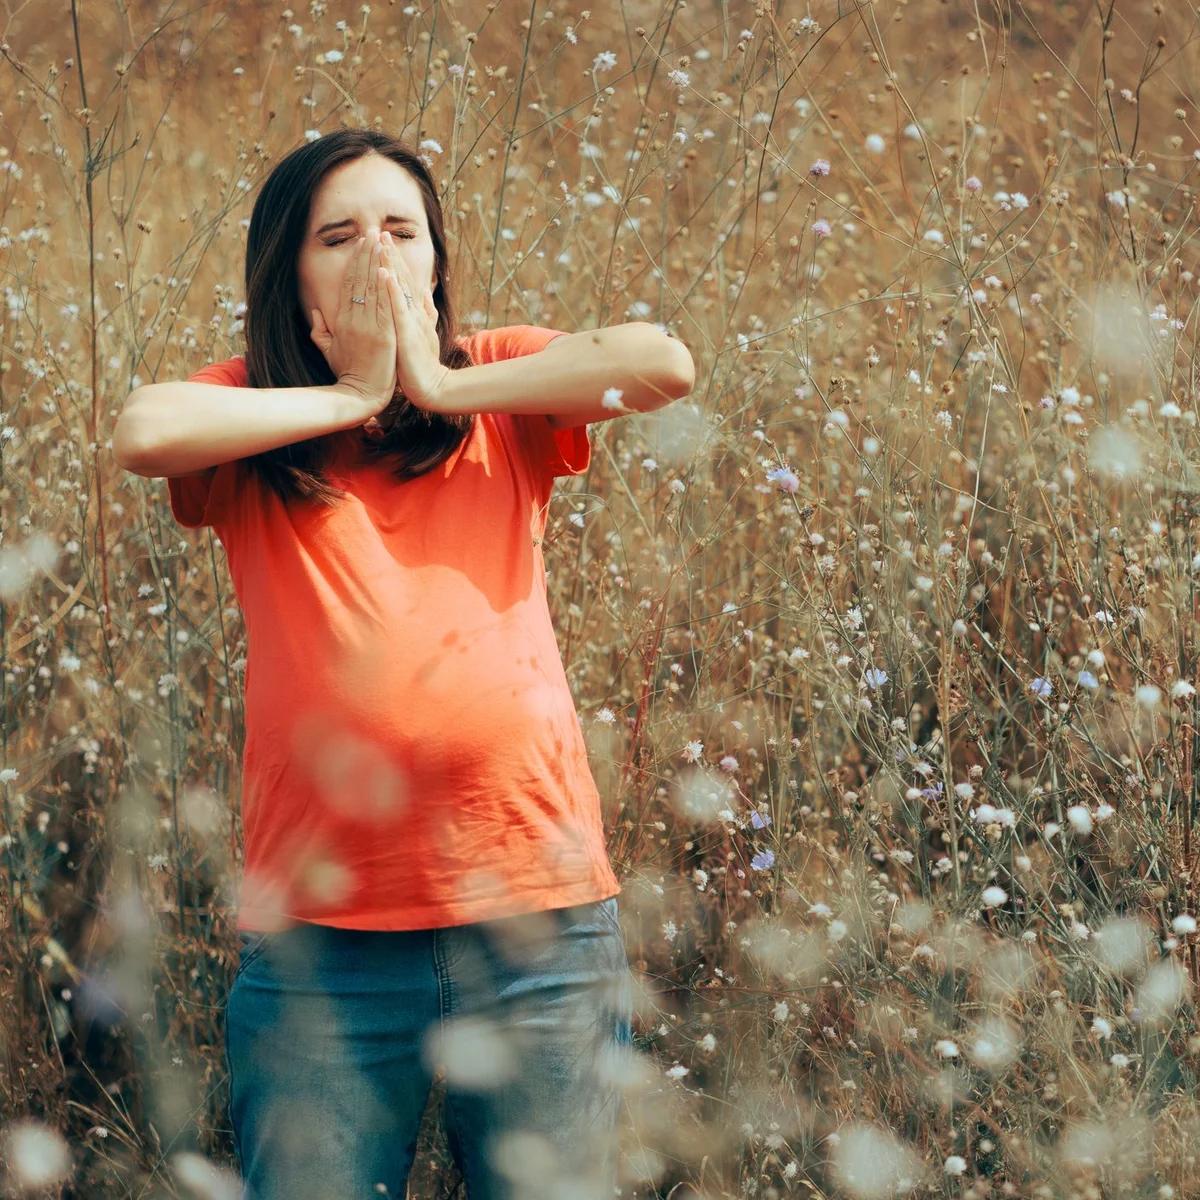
{"x":476,"y":1052}
{"x":797,"y":956}
{"x":1165,"y":987}
{"x":996,"y":1043}
{"x":1119,"y":337}
{"x":678,"y":434}
{"x":100,"y":1000}
{"x":37,"y":1155}
{"x":1123,"y":944}
{"x":20,"y":565}
{"x":871,"y":1163}
{"x":699,"y":794}
{"x":1007,"y":970}
{"x":1121,"y":1144}
{"x":204,"y":1179}
{"x":1115,"y":450}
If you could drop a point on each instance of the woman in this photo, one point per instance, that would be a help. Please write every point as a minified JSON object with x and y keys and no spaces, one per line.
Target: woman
{"x":426,"y":883}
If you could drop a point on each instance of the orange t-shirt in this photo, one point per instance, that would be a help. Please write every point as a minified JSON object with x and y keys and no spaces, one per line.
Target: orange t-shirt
{"x":413,"y":756}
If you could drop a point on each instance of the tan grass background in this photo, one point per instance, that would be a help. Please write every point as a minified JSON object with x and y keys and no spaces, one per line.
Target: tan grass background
{"x":884,"y":639}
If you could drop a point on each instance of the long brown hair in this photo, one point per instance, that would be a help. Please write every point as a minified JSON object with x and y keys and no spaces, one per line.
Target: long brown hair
{"x":279,"y":350}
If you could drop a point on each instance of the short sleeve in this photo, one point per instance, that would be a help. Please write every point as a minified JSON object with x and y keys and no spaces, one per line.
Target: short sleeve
{"x":509,"y":341}
{"x":204,"y":499}
{"x":551,"y":452}
{"x":208,"y":497}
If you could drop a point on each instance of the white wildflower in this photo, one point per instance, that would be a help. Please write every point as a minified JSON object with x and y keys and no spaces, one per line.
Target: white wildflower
{"x":1080,"y":819}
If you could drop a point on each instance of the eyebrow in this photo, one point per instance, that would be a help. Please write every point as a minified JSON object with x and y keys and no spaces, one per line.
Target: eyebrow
{"x":389,"y":220}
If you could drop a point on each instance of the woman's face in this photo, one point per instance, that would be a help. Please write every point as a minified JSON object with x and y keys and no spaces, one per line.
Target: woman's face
{"x":364,"y":196}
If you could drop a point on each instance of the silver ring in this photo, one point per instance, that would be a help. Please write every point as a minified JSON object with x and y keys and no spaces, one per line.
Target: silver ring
{"x":407,"y":298}
{"x":358,"y":299}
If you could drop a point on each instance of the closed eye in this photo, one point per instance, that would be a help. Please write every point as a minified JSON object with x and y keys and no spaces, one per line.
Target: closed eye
{"x":339,"y":241}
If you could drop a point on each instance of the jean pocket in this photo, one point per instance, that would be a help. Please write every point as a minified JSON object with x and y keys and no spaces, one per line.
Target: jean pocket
{"x":253,"y":943}
{"x":609,"y":910}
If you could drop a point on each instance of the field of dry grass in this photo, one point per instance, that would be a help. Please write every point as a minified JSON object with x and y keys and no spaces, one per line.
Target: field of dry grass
{"x":884,"y":640}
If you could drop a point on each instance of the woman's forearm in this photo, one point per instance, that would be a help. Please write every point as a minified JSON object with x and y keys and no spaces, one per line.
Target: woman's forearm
{"x":172,"y":428}
{"x":570,"y":377}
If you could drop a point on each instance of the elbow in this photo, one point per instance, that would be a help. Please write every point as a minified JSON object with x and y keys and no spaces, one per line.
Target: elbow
{"x":682,"y":380}
{"x":676,"y":376}
{"x":128,"y":440}
{"x":124,"y":453}
{"x":687,"y":381}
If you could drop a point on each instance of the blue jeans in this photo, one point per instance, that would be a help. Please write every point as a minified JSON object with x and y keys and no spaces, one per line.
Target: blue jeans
{"x":333,"y":1038}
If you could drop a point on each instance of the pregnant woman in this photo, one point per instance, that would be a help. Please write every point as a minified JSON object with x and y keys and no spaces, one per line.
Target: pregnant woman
{"x":426,"y":884}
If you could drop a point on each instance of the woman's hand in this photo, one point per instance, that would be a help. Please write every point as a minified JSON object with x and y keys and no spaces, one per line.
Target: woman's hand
{"x":360,"y":347}
{"x":420,"y":372}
